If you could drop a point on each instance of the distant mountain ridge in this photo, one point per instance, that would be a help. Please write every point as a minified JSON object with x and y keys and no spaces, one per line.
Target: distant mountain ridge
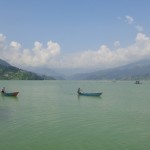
{"x":9,"y":72}
{"x":4,"y":63}
{"x":136,"y":71}
{"x":47,"y":72}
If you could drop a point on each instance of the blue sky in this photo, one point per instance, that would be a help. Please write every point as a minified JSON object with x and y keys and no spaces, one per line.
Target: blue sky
{"x":74,"y":33}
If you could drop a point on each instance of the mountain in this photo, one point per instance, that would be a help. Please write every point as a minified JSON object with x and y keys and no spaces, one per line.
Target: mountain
{"x":47,"y":72}
{"x":136,"y":71}
{"x":4,"y":63}
{"x":9,"y":72}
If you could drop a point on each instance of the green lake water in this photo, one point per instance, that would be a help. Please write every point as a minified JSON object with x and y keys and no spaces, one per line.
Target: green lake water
{"x":49,"y":115}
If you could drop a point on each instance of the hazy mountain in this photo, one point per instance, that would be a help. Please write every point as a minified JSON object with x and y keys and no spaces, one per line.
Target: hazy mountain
{"x":134,"y":71}
{"x":4,"y":63}
{"x":58,"y":74}
{"x":47,"y":72}
{"x":9,"y":72}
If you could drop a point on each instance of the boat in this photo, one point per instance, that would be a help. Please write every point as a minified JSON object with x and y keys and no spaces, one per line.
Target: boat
{"x":90,"y":94}
{"x":10,"y":94}
{"x":138,"y":82}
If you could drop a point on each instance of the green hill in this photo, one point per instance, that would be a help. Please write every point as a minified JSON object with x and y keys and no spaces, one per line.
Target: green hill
{"x":9,"y":72}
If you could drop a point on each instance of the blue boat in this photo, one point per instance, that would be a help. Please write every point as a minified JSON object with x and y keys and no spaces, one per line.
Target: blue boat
{"x":90,"y":94}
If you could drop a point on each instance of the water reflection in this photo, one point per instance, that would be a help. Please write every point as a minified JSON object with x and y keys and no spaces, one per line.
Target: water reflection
{"x":9,"y":97}
{"x":6,"y":106}
{"x":88,"y":97}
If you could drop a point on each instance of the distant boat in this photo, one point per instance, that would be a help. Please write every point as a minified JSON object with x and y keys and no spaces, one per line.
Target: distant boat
{"x":10,"y":94}
{"x":138,"y":82}
{"x":90,"y":94}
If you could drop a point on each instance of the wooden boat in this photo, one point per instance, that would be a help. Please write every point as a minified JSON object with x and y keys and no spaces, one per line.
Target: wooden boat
{"x":89,"y":94}
{"x":10,"y":94}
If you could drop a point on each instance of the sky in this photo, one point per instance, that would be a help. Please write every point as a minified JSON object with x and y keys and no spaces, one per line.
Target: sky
{"x":77,"y":34}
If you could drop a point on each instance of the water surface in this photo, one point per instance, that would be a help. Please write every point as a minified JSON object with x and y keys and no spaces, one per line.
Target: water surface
{"x":50,"y":115}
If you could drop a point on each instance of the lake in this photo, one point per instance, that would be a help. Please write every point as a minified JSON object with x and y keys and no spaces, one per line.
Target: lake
{"x":49,"y":115}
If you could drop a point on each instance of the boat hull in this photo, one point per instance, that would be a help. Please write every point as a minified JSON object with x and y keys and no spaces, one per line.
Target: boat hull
{"x":90,"y":94}
{"x":11,"y":94}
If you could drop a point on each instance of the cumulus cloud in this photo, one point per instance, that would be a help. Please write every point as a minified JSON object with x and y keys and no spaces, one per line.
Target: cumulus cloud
{"x":2,"y":37}
{"x":104,"y":57}
{"x":37,"y":56}
{"x":142,"y":38}
{"x":50,"y":56}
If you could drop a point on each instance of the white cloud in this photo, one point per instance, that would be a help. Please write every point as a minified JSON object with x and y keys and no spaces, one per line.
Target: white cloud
{"x":142,"y":38}
{"x":129,"y":19}
{"x":104,"y":57}
{"x":49,"y":55}
{"x":116,"y":43}
{"x":2,"y":38}
{"x":15,"y":45}
{"x":37,"y":56}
